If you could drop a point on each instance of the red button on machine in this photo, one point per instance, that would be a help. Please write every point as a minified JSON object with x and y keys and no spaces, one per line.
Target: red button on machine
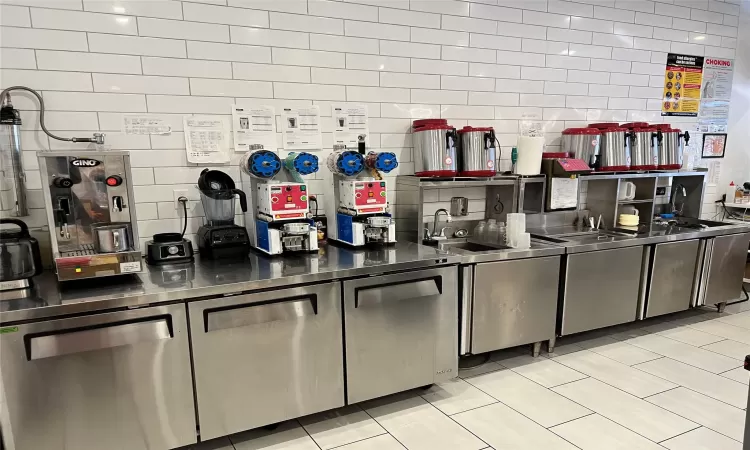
{"x":114,"y":180}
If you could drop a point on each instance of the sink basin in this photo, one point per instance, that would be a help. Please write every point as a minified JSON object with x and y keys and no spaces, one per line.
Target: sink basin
{"x":469,"y":247}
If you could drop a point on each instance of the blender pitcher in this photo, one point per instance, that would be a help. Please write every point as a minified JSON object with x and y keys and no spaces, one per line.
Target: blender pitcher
{"x":217,"y":196}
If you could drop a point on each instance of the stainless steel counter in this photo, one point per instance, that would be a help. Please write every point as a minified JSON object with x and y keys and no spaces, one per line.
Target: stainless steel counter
{"x":205,"y":278}
{"x":480,"y":252}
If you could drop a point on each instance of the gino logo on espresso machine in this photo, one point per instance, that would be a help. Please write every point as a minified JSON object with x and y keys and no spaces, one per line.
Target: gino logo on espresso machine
{"x":85,"y":162}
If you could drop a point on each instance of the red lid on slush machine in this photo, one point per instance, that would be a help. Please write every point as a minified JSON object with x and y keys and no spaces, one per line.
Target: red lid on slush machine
{"x":469,"y":129}
{"x":635,"y":125}
{"x":589,"y":131}
{"x":604,"y":125}
{"x":663,"y":127}
{"x":430,"y":124}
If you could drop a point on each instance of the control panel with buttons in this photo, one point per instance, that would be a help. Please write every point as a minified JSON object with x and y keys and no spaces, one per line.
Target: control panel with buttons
{"x":363,"y":196}
{"x":283,"y":201}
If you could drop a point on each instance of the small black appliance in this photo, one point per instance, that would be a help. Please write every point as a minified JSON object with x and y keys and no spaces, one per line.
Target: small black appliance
{"x":170,"y":248}
{"x":220,"y":237}
{"x":20,"y":259}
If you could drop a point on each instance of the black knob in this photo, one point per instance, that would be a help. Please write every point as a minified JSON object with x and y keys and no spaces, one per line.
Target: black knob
{"x":288,"y":188}
{"x":62,"y":182}
{"x":369,"y":185}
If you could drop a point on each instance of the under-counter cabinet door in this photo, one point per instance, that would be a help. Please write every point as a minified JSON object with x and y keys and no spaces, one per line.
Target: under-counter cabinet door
{"x":671,"y":283}
{"x":266,"y":357}
{"x":515,"y":303}
{"x":401,"y":332}
{"x":726,"y":268}
{"x":601,"y":289}
{"x":112,"y":380}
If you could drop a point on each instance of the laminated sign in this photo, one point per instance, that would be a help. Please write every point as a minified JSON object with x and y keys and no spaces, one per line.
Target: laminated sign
{"x":682,"y":85}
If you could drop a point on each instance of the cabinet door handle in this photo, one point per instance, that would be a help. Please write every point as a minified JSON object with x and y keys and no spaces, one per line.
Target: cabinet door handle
{"x":254,"y":314}
{"x":405,"y":290}
{"x":102,"y":337}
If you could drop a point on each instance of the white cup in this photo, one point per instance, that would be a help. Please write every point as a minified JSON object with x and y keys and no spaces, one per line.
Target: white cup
{"x":627,"y":191}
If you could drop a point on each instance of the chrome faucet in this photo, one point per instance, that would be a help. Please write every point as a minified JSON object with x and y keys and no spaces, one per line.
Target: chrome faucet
{"x":682,"y":191}
{"x":434,"y":224}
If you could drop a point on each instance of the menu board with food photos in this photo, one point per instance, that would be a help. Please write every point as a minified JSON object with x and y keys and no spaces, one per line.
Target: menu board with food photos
{"x":682,"y":85}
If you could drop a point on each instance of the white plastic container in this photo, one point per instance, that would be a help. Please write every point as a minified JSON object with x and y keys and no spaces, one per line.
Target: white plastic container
{"x":530,"y":149}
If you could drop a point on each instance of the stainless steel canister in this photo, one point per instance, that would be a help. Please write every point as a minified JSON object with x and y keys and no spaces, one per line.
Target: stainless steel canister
{"x":672,"y":146}
{"x":614,"y":150}
{"x":644,"y":149}
{"x":582,"y":143}
{"x":434,"y":148}
{"x":112,"y":238}
{"x":478,"y":152}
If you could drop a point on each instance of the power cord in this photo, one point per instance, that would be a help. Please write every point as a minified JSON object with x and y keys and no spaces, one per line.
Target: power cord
{"x":182,"y":199}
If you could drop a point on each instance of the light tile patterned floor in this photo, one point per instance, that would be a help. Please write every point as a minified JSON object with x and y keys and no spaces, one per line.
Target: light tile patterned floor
{"x":672,"y":383}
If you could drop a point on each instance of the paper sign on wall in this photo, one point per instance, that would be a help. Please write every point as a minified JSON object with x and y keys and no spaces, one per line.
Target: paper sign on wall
{"x":206,"y":139}
{"x":300,"y":128}
{"x":682,"y":85}
{"x":144,"y":124}
{"x":350,"y":122}
{"x":254,"y":125}
{"x":717,"y":89}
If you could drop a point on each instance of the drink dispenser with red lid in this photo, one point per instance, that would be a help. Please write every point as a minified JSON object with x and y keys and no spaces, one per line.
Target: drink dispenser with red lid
{"x":478,"y":152}
{"x":434,"y":148}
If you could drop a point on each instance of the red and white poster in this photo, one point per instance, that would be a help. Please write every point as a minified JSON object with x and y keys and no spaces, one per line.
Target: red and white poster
{"x":716,"y":88}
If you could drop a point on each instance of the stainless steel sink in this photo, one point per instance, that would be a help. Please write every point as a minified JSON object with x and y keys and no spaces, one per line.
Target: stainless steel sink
{"x":469,"y":247}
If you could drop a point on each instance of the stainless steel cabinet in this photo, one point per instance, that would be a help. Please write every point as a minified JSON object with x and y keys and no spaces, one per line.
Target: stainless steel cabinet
{"x":110,"y":380}
{"x":726,"y":266}
{"x":266,"y":357}
{"x":601,"y":289}
{"x":670,"y":284}
{"x":401,"y":332}
{"x":515,"y":303}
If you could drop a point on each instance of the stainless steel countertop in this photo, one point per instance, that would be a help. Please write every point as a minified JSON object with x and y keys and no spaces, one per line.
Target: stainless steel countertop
{"x":655,"y":234}
{"x":205,"y":278}
{"x":501,"y":253}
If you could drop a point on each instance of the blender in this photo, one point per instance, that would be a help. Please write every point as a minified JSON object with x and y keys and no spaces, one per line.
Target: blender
{"x":220,"y":237}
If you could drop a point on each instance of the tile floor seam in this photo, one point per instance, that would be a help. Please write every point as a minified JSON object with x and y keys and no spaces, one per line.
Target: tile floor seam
{"x":688,"y":431}
{"x":471,"y":409}
{"x":386,"y":429}
{"x":670,"y":389}
{"x":701,"y":393}
{"x":611,"y":420}
{"x":306,"y":432}
{"x":630,"y":429}
{"x":684,"y":362}
{"x":568,"y":382}
{"x":365,"y":439}
{"x":524,"y":415}
{"x":456,"y":422}
{"x":712,"y":343}
{"x":573,"y":420}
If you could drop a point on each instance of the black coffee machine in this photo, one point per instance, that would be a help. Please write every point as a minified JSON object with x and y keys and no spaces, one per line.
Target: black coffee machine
{"x":220,"y":237}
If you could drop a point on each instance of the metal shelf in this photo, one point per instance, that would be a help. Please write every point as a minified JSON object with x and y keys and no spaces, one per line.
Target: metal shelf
{"x":738,"y":205}
{"x":632,"y":202}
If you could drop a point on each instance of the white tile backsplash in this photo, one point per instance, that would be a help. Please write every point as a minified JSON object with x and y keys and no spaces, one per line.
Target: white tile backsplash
{"x":478,"y":62}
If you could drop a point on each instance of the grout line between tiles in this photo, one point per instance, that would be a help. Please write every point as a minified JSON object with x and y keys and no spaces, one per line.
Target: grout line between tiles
{"x":308,"y":434}
{"x":364,"y":439}
{"x":386,"y":429}
{"x":686,"y":432}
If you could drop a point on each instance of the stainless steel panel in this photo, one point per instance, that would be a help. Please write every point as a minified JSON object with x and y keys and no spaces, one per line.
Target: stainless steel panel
{"x":615,"y":150}
{"x":670,"y":151}
{"x":478,"y":153}
{"x":114,"y":379}
{"x":696,"y":292}
{"x":601,"y":289}
{"x":582,"y":146}
{"x":671,"y":280}
{"x":397,"y":292}
{"x":402,"y":343}
{"x":266,"y":357}
{"x":19,"y":175}
{"x":727,"y":268}
{"x":644,"y":150}
{"x":701,"y":296}
{"x":515,"y":303}
{"x":467,"y":302}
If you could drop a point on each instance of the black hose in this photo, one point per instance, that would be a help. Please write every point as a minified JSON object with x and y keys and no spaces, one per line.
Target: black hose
{"x":184,"y":201}
{"x":41,"y":113}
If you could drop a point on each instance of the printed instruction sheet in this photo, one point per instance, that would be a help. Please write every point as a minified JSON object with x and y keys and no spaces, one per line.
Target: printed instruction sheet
{"x":254,"y":125}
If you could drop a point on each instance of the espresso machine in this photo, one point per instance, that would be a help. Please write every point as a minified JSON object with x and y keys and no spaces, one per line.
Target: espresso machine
{"x":278,"y":219}
{"x":220,"y":237}
{"x":360,"y":197}
{"x":91,"y":213}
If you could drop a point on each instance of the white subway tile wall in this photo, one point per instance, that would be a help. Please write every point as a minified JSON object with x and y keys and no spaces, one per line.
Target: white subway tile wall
{"x":483,"y":62}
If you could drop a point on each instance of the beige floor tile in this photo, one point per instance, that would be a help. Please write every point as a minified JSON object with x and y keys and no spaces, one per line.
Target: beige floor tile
{"x":621,"y":376}
{"x":503,"y":428}
{"x":544,"y":371}
{"x":621,"y":351}
{"x":384,"y":442}
{"x":595,"y":432}
{"x":530,"y":399}
{"x":288,"y":436}
{"x":738,"y":320}
{"x":688,"y":354}
{"x":340,"y":426}
{"x":691,"y":336}
{"x":420,"y":426}
{"x":732,"y":349}
{"x":739,"y":375}
{"x":706,"y":411}
{"x":631,"y":412}
{"x":707,"y":383}
{"x":701,"y":439}
{"x":456,"y":396}
{"x":724,"y":330}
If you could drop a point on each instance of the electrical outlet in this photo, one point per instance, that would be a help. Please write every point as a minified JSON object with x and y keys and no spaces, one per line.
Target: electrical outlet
{"x":177,"y":193}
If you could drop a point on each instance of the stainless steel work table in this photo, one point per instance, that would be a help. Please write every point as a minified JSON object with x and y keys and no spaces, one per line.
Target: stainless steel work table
{"x":204,"y":278}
